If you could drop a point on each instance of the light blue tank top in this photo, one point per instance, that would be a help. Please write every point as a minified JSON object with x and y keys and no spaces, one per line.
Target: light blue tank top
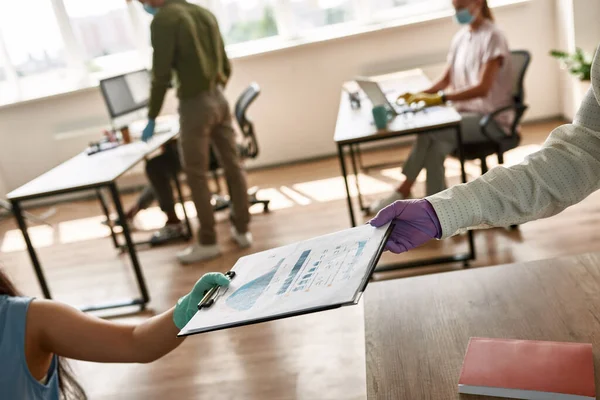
{"x":16,"y":382}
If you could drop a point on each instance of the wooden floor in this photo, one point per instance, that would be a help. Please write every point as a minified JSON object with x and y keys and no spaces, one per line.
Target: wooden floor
{"x":319,"y":356}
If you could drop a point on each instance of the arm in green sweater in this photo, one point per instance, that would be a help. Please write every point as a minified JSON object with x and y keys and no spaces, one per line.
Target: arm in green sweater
{"x":163,"y":36}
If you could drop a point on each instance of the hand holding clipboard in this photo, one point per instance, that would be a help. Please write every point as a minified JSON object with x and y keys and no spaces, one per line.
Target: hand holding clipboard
{"x":315,"y":275}
{"x":188,"y":305}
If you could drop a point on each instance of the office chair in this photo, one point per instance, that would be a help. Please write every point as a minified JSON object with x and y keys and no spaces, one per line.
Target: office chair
{"x":499,"y":144}
{"x":247,"y":148}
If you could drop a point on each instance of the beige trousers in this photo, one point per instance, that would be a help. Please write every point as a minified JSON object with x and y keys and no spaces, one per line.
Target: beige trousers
{"x":431,"y":149}
{"x":205,"y":120}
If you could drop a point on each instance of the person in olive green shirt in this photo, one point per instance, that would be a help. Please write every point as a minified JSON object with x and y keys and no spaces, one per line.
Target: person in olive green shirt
{"x":186,"y":40}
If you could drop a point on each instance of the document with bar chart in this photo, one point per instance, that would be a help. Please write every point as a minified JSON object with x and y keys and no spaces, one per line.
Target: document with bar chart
{"x":315,"y":275}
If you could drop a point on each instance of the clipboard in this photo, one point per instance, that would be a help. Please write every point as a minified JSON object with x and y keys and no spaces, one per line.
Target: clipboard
{"x":215,"y":311}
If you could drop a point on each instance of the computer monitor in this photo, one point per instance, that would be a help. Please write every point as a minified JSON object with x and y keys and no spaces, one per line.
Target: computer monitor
{"x":126,"y":97}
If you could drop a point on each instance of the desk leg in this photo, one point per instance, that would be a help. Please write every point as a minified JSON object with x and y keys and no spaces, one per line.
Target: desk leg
{"x":106,"y":213}
{"x":129,"y":243}
{"x":188,"y":226}
{"x":345,"y":175}
{"x":472,"y":253}
{"x":463,"y":171}
{"x":355,"y":171}
{"x":461,"y":154}
{"x":361,"y":164}
{"x":16,"y":209}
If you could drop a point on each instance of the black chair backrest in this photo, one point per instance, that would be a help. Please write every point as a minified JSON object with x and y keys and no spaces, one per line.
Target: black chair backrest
{"x":249,"y":148}
{"x":520,"y":60}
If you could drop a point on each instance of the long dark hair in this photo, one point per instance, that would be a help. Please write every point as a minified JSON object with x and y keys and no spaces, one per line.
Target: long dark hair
{"x":69,"y":387}
{"x":486,"y":12}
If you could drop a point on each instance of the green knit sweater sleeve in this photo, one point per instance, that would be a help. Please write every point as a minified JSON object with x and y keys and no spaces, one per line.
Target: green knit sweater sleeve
{"x":163,"y":34}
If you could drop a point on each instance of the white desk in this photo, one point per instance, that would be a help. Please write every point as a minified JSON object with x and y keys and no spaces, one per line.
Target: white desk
{"x":355,"y":126}
{"x":87,"y":172}
{"x":97,"y":171}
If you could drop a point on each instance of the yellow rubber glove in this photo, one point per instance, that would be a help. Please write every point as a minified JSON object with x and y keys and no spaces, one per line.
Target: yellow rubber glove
{"x":430,"y":100}
{"x":406,"y":96}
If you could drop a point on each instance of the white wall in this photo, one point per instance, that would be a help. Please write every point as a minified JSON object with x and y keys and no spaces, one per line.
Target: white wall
{"x":295,"y":115}
{"x":565,"y":40}
{"x":2,"y":186}
{"x":577,"y":26}
{"x":586,"y":14}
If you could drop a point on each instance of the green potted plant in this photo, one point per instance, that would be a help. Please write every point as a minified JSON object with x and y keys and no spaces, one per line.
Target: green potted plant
{"x":579,"y":64}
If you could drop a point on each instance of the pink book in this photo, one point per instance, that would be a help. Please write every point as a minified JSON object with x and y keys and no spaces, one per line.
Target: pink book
{"x":527,"y":369}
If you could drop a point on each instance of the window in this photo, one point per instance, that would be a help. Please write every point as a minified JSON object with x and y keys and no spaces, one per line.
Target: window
{"x":102,"y":28}
{"x":393,"y":9}
{"x":32,"y":51}
{"x":245,"y":20}
{"x":311,"y":14}
{"x":52,"y":46}
{"x":6,"y":89}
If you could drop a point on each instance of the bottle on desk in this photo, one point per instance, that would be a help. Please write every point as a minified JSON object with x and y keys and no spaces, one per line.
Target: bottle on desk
{"x":125,"y":135}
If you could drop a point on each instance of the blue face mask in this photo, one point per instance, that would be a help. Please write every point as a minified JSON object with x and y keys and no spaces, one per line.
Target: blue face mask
{"x":150,"y":10}
{"x":463,"y":16}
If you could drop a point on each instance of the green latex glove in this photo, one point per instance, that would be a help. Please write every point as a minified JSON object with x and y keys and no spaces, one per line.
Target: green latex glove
{"x":187,"y":306}
{"x":430,"y":100}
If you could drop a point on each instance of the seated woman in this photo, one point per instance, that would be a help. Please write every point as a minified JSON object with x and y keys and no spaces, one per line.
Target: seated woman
{"x":479,"y":77}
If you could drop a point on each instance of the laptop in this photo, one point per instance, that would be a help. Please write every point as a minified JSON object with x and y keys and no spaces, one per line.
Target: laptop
{"x":379,"y":98}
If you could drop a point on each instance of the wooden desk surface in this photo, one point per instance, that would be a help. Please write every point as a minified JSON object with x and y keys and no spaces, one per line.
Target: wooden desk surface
{"x":417,"y":329}
{"x":355,"y":126}
{"x":83,"y":171}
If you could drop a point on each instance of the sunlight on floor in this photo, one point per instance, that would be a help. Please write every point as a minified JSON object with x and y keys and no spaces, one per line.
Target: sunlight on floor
{"x":297,"y":197}
{"x":393,"y":173}
{"x":153,"y":218}
{"x":397,"y":175}
{"x":298,"y":194}
{"x":278,"y":200}
{"x":190,"y":210}
{"x":472,"y":167}
{"x":333,"y":188}
{"x":41,"y":236}
{"x":517,"y":155}
{"x":453,"y":170}
{"x":82,"y":229}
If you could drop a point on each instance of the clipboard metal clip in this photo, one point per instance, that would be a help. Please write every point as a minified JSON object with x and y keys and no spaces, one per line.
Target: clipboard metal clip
{"x":209,"y":297}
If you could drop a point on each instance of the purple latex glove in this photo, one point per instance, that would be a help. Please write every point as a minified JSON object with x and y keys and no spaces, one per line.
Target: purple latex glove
{"x":415,"y":223}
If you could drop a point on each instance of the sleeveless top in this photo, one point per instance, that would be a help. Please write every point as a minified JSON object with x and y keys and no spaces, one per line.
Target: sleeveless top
{"x":16,"y":382}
